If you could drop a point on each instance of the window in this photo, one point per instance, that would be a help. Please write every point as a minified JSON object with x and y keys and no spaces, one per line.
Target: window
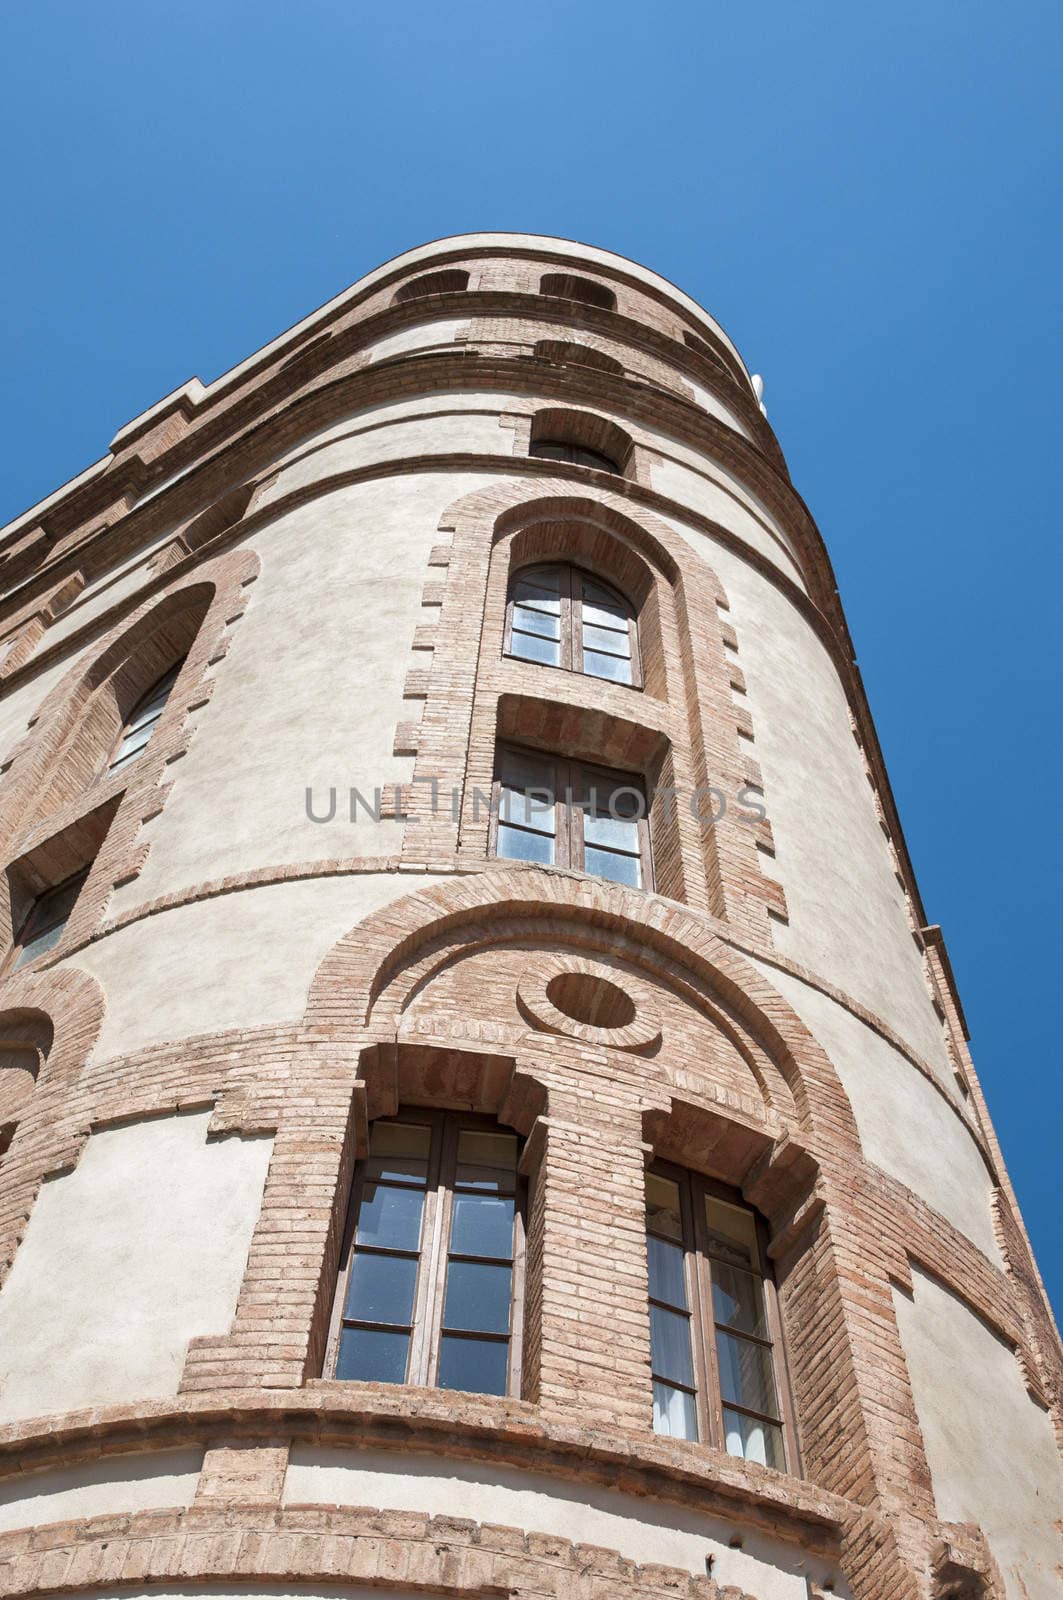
{"x":431,"y":1283}
{"x":451,"y":280}
{"x":713,"y":1319}
{"x":580,"y":355}
{"x":570,"y":287}
{"x":576,"y":455}
{"x":564,"y":814}
{"x":563,"y":617}
{"x":140,"y":724}
{"x":48,"y":916}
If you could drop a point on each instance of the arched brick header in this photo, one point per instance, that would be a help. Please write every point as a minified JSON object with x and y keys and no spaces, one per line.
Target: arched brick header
{"x":352,"y":978}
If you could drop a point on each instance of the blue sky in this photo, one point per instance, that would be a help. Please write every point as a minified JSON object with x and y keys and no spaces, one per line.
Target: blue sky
{"x":866,"y":197}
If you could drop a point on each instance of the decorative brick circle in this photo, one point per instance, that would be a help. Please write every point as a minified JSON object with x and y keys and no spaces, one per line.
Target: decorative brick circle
{"x":557,"y":996}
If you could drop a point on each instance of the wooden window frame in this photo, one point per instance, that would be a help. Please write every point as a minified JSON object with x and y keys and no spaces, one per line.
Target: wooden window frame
{"x":569,"y":776}
{"x":27,"y":930}
{"x":426,"y":1328}
{"x":113,"y":764}
{"x":694,"y":1188}
{"x":570,"y":650}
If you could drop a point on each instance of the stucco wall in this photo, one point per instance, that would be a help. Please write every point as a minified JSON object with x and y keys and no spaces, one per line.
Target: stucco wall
{"x":141,"y":1248}
{"x":97,"y":1488}
{"x":905,"y":1125}
{"x":642,"y":1530}
{"x":991,"y":1449}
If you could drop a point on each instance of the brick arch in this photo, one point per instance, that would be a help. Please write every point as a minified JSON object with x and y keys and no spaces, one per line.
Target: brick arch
{"x":349,"y":982}
{"x":65,"y":1011}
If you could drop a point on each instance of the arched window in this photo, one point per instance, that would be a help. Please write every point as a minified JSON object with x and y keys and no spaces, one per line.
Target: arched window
{"x":562,"y":617}
{"x":576,"y":454}
{"x":714,"y":1329}
{"x":568,"y":286}
{"x":43,"y":926}
{"x":431,"y":1276}
{"x":140,"y":724}
{"x":566,"y":814}
{"x":451,"y":280}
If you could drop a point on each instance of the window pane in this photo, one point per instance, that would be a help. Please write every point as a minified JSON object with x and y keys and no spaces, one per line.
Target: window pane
{"x":619,"y":869}
{"x":398,"y":1150}
{"x":601,"y":609}
{"x":670,"y":1344}
{"x":133,"y":743}
{"x":617,"y":644}
{"x":516,"y":845}
{"x":372,"y":1356}
{"x":531,"y":620}
{"x":529,"y":648}
{"x":674,"y":1412}
{"x":533,"y":808}
{"x":478,"y":1297}
{"x":732,"y":1233}
{"x":756,"y":1441}
{"x":746,"y":1377}
{"x":487,"y":1160}
{"x":662,"y":1206}
{"x":519,"y":771}
{"x":738,"y":1300}
{"x":550,"y":451}
{"x":381,"y":1288}
{"x":614,"y":833}
{"x":478,"y":1366}
{"x":615,"y":668}
{"x":483,"y":1226}
{"x":390,"y":1217}
{"x":38,"y":943}
{"x":544,"y":584}
{"x":667,"y":1279}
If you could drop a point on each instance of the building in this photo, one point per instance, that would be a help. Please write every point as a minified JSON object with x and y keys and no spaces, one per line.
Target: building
{"x":446,"y":843}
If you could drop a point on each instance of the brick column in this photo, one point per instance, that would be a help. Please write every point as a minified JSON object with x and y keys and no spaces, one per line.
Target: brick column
{"x":589,"y":1336}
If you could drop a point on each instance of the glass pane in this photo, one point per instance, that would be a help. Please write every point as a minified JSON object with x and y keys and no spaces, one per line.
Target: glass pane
{"x":372,"y":1356}
{"x":487,"y":1160}
{"x":732,"y":1233}
{"x":746,"y":1377}
{"x":533,"y":808}
{"x":544,"y":584}
{"x":478,"y":1366}
{"x":738,"y":1300}
{"x":38,"y":943}
{"x":619,"y":869}
{"x":398,"y":1150}
{"x":381,"y":1288}
{"x":615,"y":668}
{"x":530,"y":620}
{"x":614,"y":833}
{"x":550,"y":451}
{"x":478,"y":1297}
{"x":670,"y":1344}
{"x":667,"y":1279}
{"x":526,"y":647}
{"x":617,"y":644}
{"x":519,"y":771}
{"x":756,"y":1441}
{"x":132,"y":744}
{"x":674,"y":1412}
{"x":390,"y":1217}
{"x":516,"y":845}
{"x":483,"y":1226}
{"x":601,"y":610}
{"x":663,"y":1214}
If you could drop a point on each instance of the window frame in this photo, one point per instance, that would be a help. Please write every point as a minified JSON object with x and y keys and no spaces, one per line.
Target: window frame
{"x":26,"y":930}
{"x":568,"y":840}
{"x":538,"y":448}
{"x":571,"y":622}
{"x":694,"y":1188}
{"x":433,"y":1254}
{"x":113,"y":764}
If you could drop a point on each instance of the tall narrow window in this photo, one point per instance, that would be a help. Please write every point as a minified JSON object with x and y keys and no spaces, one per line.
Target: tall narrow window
{"x":430,"y":1290}
{"x":577,"y":455}
{"x":565,"y":814}
{"x":140,"y":724}
{"x":713,"y":1320}
{"x":49,"y":914}
{"x":563,"y":617}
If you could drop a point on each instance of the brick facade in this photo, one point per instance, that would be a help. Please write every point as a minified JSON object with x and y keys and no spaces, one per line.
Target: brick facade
{"x":441,"y":995}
